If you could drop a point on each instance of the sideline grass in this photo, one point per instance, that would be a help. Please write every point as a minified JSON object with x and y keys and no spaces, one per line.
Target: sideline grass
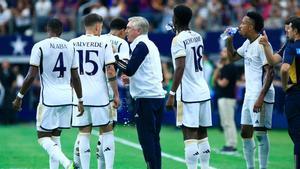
{"x":19,"y":149}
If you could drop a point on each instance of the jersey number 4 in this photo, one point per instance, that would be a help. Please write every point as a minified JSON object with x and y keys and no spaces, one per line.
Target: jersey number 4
{"x":87,"y":60}
{"x":197,"y":58}
{"x":59,"y":65}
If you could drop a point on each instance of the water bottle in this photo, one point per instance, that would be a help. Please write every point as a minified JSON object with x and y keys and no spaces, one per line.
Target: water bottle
{"x":229,"y":32}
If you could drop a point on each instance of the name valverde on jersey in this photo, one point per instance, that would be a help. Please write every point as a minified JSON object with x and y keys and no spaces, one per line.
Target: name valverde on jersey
{"x":193,"y":87}
{"x":254,"y":60}
{"x":93,"y":53}
{"x":55,"y":58}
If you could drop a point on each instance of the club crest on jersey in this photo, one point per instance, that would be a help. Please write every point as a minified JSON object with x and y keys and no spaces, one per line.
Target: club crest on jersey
{"x":298,"y":51}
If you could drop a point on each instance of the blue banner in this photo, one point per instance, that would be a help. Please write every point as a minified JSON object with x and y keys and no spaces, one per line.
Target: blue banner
{"x":15,"y":45}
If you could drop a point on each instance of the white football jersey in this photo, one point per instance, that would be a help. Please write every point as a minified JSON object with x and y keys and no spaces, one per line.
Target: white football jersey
{"x":254,"y":60}
{"x":193,"y":87}
{"x":55,"y":58}
{"x":120,"y":48}
{"x":93,"y":53}
{"x":119,"y":45}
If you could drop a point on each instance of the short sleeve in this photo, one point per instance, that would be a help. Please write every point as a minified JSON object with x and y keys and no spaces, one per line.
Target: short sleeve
{"x":35,"y":56}
{"x":289,"y":54}
{"x":241,"y":50}
{"x":109,"y":56}
{"x":178,"y":48}
{"x":281,"y":50}
{"x":123,"y":51}
{"x":262,"y":54}
{"x":75,"y":60}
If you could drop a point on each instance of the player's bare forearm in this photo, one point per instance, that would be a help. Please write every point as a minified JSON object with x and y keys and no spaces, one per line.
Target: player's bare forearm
{"x":32,"y":73}
{"x":267,"y":80}
{"x":284,"y":71}
{"x":180,"y":65}
{"x":272,"y":59}
{"x":76,"y":82}
{"x":231,"y":52}
{"x":112,"y":79}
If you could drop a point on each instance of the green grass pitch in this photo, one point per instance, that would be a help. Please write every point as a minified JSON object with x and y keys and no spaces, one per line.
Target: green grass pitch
{"x":19,"y":149}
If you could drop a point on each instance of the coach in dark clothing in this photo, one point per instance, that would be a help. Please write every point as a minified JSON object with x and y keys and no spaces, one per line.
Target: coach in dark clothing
{"x":144,"y":72}
{"x":290,"y":78}
{"x":225,"y":79}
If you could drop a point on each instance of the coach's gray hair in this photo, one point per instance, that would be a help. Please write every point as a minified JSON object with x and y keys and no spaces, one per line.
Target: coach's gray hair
{"x":141,"y":23}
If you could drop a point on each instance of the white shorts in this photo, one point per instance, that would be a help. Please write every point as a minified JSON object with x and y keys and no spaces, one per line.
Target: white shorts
{"x":95,"y":116}
{"x":113,"y":115}
{"x":260,"y":119}
{"x":194,"y":114}
{"x":50,"y":118}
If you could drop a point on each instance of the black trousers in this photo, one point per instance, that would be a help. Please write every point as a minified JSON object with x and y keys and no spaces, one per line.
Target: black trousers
{"x":292,"y":110}
{"x":148,"y":113}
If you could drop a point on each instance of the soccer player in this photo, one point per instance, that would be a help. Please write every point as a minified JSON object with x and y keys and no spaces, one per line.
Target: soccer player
{"x":192,"y":92}
{"x":120,"y":47}
{"x":144,"y":74}
{"x":53,"y":59}
{"x":259,"y":97}
{"x":94,"y":53}
{"x":276,"y":58}
{"x":290,"y":76}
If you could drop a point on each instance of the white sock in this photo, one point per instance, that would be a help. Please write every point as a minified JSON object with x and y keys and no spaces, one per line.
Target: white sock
{"x":191,"y":153}
{"x":84,"y":150}
{"x":76,"y":155}
{"x":249,"y":148}
{"x":108,"y":148}
{"x":54,"y":151}
{"x":99,"y":154}
{"x":204,"y":150}
{"x":263,"y":148}
{"x":54,"y":164}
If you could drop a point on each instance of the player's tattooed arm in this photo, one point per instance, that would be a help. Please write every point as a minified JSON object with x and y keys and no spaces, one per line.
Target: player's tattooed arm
{"x":112,"y":79}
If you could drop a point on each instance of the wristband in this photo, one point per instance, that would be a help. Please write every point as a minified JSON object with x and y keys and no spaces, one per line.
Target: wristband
{"x":112,"y":78}
{"x":20,"y":95}
{"x":80,"y":99}
{"x":172,"y":93}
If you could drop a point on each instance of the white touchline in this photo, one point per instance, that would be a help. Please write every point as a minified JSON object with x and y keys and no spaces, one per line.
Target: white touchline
{"x":137,"y":146}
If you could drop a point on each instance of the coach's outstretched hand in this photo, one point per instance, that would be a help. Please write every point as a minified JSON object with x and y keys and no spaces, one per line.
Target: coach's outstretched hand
{"x":170,"y":102}
{"x":17,"y":104}
{"x":80,"y":108}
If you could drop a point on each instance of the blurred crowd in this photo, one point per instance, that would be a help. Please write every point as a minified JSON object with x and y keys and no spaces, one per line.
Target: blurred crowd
{"x":29,"y":16}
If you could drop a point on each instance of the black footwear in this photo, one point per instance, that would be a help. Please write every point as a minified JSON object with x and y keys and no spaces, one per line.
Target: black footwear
{"x":228,"y":149}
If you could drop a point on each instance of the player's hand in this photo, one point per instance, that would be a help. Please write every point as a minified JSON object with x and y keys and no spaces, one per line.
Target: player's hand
{"x":17,"y":104}
{"x":264,"y":40}
{"x":258,"y":105}
{"x":116,"y":102}
{"x":125,"y":79}
{"x":170,"y":102}
{"x":80,"y":109}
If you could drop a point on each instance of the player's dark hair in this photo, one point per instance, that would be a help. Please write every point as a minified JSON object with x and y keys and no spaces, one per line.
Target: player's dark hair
{"x":92,"y":19}
{"x":257,"y":19}
{"x":183,"y":15}
{"x":55,"y":26}
{"x":118,"y":24}
{"x":289,"y":20}
{"x":296,"y":24}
